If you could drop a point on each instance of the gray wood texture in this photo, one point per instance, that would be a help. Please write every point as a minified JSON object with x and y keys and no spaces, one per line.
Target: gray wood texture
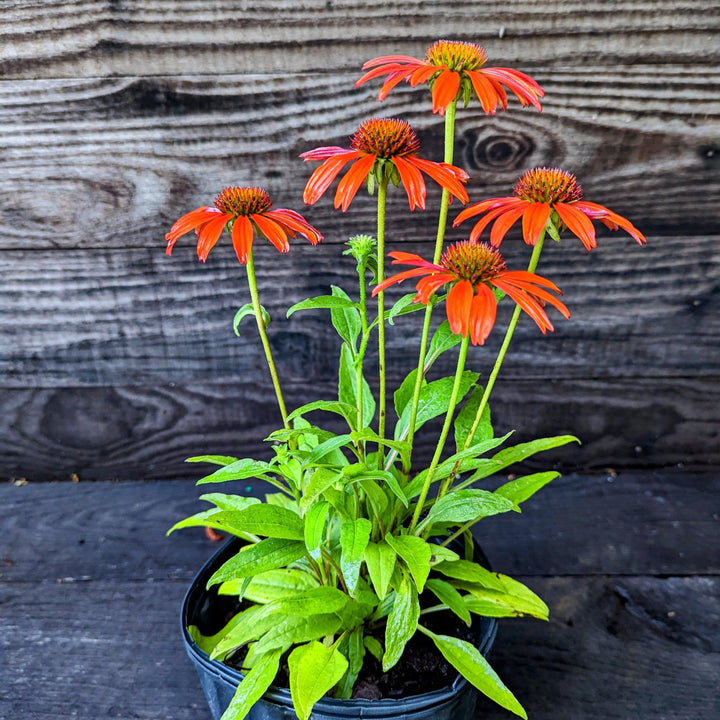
{"x":90,"y":591}
{"x":116,"y":118}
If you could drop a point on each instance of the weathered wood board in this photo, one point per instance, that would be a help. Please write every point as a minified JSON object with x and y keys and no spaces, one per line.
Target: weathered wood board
{"x":115,"y":118}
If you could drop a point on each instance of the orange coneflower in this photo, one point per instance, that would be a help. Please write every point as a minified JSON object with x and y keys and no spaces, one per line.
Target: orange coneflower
{"x":537,"y":195}
{"x":388,"y":149}
{"x":473,"y":269}
{"x":454,"y":71}
{"x":243,"y":210}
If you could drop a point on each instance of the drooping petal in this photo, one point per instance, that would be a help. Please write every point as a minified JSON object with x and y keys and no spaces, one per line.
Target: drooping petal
{"x":535,"y":291}
{"x":530,"y":277}
{"x":189,"y":221}
{"x":398,"y":278}
{"x":242,"y":237}
{"x":444,"y":90}
{"x":422,"y":74}
{"x":323,"y":176}
{"x":610,"y":219}
{"x":390,"y":82}
{"x":483,"y":311}
{"x":273,"y":231}
{"x":323,"y":153}
{"x":522,"y":86}
{"x":412,"y":181}
{"x":504,"y":223}
{"x":349,"y":185}
{"x":406,"y":258}
{"x":428,"y":285}
{"x":485,"y":205}
{"x":578,"y":223}
{"x":534,"y":220}
{"x":485,"y":90}
{"x":294,"y":222}
{"x":457,"y":307}
{"x":209,"y":233}
{"x":392,"y":60}
{"x":527,"y":303}
{"x":439,"y":172}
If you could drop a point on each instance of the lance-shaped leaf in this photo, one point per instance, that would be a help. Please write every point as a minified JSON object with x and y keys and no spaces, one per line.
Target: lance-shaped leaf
{"x":314,"y":669}
{"x":270,"y":585}
{"x":468,"y":661}
{"x":466,"y":418}
{"x":464,"y":506}
{"x":354,"y":538}
{"x":448,"y":595}
{"x":471,"y":572}
{"x":401,"y":623}
{"x":349,"y":412}
{"x":380,"y":562}
{"x":253,"y":686}
{"x":354,"y":650}
{"x":443,"y":339}
{"x":230,"y":502}
{"x":507,"y":597}
{"x":416,"y":553}
{"x":212,"y":459}
{"x":519,"y":490}
{"x":246,"y":310}
{"x":322,"y":302}
{"x":239,"y":470}
{"x":268,"y":554}
{"x":327,"y":447}
{"x":348,"y":386}
{"x":346,"y":320}
{"x":266,"y":520}
{"x":315,"y":520}
{"x":289,"y":630}
{"x":320,"y":481}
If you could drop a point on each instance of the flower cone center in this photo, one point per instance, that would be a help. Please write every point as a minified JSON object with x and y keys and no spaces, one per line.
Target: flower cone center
{"x":243,"y":201}
{"x":456,"y":56}
{"x":476,"y":262}
{"x":548,"y":186}
{"x":385,"y":138}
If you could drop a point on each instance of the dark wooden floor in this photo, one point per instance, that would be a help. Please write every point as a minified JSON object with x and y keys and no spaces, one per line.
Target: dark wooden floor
{"x":90,"y":590}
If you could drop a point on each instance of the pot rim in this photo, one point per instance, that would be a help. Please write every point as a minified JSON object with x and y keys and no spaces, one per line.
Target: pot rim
{"x":387,"y":706}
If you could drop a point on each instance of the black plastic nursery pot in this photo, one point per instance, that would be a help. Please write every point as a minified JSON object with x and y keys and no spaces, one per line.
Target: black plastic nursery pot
{"x":219,"y":681}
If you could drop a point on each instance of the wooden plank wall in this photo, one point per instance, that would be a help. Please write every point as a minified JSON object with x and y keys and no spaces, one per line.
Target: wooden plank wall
{"x":116,"y":117}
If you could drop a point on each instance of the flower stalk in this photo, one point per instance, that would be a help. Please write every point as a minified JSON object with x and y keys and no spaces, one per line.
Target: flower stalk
{"x":381,"y":202}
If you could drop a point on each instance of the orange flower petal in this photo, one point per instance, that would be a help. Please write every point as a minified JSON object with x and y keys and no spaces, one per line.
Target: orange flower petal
{"x":534,"y":220}
{"x":457,"y":307}
{"x":578,"y":223}
{"x":412,"y":181}
{"x":242,"y":237}
{"x":444,"y":90}
{"x":428,"y":285}
{"x":347,"y":188}
{"x":485,"y":205}
{"x":209,"y":233}
{"x":294,"y":222}
{"x":527,"y":303}
{"x":485,"y":90}
{"x":323,"y":176}
{"x":273,"y":231}
{"x":483,"y":311}
{"x":504,"y":223}
{"x":398,"y":278}
{"x":439,"y":172}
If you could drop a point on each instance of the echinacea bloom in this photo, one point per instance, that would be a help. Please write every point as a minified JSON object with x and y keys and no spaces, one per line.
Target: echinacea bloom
{"x":472,"y":270}
{"x":244,"y":210}
{"x":537,"y":195}
{"x":387,"y":148}
{"x":455,"y":70}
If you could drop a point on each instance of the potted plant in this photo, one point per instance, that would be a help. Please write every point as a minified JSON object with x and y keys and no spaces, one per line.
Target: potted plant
{"x":358,"y":558}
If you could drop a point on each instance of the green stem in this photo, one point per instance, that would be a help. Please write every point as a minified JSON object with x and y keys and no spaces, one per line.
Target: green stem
{"x":382,"y":197}
{"x":503,"y":348}
{"x":257,"y":309}
{"x":361,"y":353}
{"x":462,"y":355}
{"x":439,"y":240}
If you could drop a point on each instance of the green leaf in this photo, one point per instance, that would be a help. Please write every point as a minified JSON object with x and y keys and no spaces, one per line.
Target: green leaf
{"x":289,"y":630}
{"x":401,"y":623}
{"x":323,"y":302}
{"x":265,"y":520}
{"x":346,"y":320}
{"x":519,"y":490}
{"x":213,"y":518}
{"x":253,"y":686}
{"x":230,"y":502}
{"x":320,"y":481}
{"x":246,"y":310}
{"x":347,"y":385}
{"x":355,"y":652}
{"x":314,"y":669}
{"x":349,"y":412}
{"x":268,"y":554}
{"x":449,"y":596}
{"x":468,"y":661}
{"x":471,"y":572}
{"x":508,"y":597}
{"x":315,"y":520}
{"x":416,"y":553}
{"x":403,"y":395}
{"x":442,"y":554}
{"x":208,"y":642}
{"x":213,"y":459}
{"x":403,"y":306}
{"x":354,"y":538}
{"x":380,"y":561}
{"x":327,"y":448}
{"x":239,"y":470}
{"x":374,"y":647}
{"x":443,"y":339}
{"x":466,"y":417}
{"x":434,"y":401}
{"x":463,"y":506}
{"x":514,"y":454}
{"x":271,"y":585}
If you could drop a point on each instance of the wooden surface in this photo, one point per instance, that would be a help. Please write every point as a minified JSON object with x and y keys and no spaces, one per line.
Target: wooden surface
{"x":116,"y":118}
{"x":90,"y":591}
